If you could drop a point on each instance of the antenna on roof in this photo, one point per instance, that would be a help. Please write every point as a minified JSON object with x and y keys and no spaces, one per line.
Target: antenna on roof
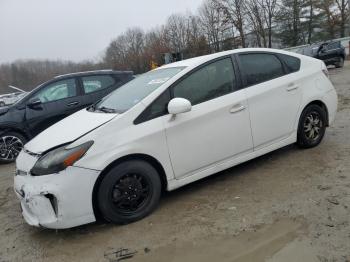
{"x":16,"y":88}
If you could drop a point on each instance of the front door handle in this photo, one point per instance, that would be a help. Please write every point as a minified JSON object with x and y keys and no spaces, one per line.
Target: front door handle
{"x":292,"y":87}
{"x":237,"y":108}
{"x":73,"y":103}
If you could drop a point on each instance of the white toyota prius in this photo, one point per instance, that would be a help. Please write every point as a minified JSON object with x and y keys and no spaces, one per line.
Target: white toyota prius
{"x":170,"y":127}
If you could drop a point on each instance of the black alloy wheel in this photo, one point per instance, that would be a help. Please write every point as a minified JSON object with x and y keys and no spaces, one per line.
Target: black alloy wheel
{"x":11,"y":145}
{"x":312,"y":126}
{"x":129,"y":192}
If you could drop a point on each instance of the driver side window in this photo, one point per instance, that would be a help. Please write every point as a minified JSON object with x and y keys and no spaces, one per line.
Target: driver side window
{"x":209,"y":82}
{"x":57,"y":91}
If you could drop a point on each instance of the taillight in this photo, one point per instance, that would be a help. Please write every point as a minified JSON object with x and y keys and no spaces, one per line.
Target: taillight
{"x":325,"y":71}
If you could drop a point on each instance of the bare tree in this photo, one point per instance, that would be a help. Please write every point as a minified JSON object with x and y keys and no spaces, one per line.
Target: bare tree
{"x":331,"y":17}
{"x":176,"y":32}
{"x":155,"y":46}
{"x":126,"y":50}
{"x":269,"y":8}
{"x":343,"y":6}
{"x":234,"y":11}
{"x":211,"y":19}
{"x":256,"y":19}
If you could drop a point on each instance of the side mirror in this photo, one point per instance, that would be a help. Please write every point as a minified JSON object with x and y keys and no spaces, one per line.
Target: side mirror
{"x":179,"y":105}
{"x":34,"y":103}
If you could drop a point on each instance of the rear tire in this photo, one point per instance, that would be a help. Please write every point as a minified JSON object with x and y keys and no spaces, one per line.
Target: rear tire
{"x":340,"y":64}
{"x":312,"y":126}
{"x":11,"y":143}
{"x":129,"y":192}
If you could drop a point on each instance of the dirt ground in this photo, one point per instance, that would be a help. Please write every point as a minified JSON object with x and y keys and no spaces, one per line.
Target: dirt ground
{"x":289,"y":205}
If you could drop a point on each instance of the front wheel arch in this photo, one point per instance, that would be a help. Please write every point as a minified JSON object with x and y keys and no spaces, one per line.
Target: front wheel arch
{"x":147,"y":158}
{"x":10,"y":129}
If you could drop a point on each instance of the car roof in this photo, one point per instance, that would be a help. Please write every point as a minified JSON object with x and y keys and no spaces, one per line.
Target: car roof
{"x":193,"y":62}
{"x":96,"y":72}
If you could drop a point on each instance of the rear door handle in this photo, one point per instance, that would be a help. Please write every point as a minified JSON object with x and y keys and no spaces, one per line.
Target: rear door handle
{"x":237,"y":108}
{"x":73,"y":103}
{"x":292,"y":87}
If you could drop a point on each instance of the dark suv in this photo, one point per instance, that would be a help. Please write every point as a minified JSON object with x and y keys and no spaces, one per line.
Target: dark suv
{"x":332,"y":53}
{"x":50,"y":102}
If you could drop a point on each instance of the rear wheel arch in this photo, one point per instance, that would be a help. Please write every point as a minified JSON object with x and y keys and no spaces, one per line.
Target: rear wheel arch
{"x":320,"y":104}
{"x":147,"y":158}
{"x":310,"y":133}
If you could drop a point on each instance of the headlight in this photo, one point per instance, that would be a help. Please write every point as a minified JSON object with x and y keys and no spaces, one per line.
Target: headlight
{"x":59,"y":159}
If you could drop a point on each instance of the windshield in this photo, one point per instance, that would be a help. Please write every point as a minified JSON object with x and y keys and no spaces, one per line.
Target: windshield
{"x":134,"y":91}
{"x":21,"y":97}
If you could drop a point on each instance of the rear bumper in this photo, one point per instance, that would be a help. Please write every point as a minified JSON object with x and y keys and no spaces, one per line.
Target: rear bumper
{"x":332,"y":60}
{"x":57,"y":201}
{"x":331,"y":100}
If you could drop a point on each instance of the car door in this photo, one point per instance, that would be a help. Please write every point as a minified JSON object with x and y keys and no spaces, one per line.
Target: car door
{"x":332,"y":50}
{"x":217,"y":128}
{"x":96,"y":87}
{"x":58,"y":99}
{"x":274,"y":96}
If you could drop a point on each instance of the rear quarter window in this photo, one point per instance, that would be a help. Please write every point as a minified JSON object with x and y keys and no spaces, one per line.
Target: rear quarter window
{"x":292,"y":63}
{"x":98,"y":82}
{"x":260,"y":67}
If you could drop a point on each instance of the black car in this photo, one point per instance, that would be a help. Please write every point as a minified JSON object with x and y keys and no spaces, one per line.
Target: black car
{"x":332,"y":53}
{"x":50,"y":102}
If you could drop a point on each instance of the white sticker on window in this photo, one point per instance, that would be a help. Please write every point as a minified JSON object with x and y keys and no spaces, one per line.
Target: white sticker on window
{"x":158,"y":81}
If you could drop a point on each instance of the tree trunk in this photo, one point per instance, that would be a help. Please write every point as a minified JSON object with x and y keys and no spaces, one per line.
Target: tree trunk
{"x":242,"y":37}
{"x":270,"y":31}
{"x":310,"y":22}
{"x":343,"y":18}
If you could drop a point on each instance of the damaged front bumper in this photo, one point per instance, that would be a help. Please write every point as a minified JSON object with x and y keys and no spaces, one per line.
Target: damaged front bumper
{"x":57,"y":201}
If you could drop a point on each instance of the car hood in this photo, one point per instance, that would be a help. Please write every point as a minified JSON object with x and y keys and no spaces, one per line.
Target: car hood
{"x":68,"y":130}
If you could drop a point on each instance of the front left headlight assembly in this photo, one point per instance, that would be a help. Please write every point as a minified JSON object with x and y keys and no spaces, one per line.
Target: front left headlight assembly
{"x":59,"y":159}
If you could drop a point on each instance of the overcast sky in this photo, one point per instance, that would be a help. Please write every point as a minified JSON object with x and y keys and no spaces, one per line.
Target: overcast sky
{"x":75,"y":29}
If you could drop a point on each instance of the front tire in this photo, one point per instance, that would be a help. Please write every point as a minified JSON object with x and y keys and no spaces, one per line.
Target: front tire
{"x":11,"y":143}
{"x":129,"y":192}
{"x":312,"y":126}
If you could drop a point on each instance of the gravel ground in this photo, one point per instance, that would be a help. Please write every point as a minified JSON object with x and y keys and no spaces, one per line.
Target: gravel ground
{"x":289,"y":205}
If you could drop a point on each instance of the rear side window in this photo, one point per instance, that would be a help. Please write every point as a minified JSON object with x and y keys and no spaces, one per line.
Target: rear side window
{"x":292,"y":63}
{"x":333,"y":45}
{"x":259,"y":68}
{"x":96,"y":83}
{"x":209,"y":82}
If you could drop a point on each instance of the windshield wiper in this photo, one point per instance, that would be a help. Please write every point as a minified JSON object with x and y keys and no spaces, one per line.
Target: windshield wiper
{"x":106,"y":109}
{"x":91,"y":108}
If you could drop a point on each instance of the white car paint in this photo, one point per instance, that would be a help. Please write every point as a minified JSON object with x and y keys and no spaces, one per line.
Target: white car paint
{"x":179,"y":105}
{"x":213,"y":136}
{"x":67,"y":131}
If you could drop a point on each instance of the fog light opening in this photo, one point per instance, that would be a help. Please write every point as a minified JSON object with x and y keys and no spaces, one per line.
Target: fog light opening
{"x":53,"y":201}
